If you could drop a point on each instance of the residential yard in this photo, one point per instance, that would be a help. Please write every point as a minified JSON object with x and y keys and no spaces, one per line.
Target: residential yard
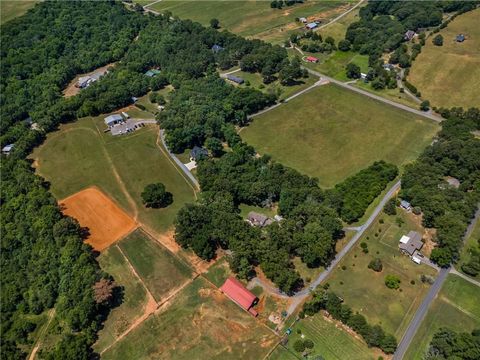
{"x":334,"y":64}
{"x":390,"y":94}
{"x":10,"y":9}
{"x":199,"y":320}
{"x":161,"y":271}
{"x":331,"y":340}
{"x":254,"y":80}
{"x":254,"y":18}
{"x":364,"y":290}
{"x":448,"y":75}
{"x":456,"y":307}
{"x":332,"y":133}
{"x":81,"y":155}
{"x":133,"y":298}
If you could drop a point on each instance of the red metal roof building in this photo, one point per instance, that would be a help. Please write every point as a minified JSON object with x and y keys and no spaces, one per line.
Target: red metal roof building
{"x":235,"y":290}
{"x":311,"y":59}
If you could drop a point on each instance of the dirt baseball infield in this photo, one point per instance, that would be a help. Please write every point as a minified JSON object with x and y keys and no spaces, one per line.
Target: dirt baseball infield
{"x":94,"y":210}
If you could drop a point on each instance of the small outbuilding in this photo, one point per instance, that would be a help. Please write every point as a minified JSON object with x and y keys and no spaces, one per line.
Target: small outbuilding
{"x":311,"y":59}
{"x":235,"y":79}
{"x":311,"y":26}
{"x":7,"y":149}
{"x":197,"y":153}
{"x":303,"y":20}
{"x":460,"y":38}
{"x":152,"y":72}
{"x":113,"y":119}
{"x":409,"y":35}
{"x":217,"y":48}
{"x":404,"y":204}
{"x":240,"y":295}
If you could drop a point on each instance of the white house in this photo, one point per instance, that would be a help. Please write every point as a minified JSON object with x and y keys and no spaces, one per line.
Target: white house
{"x":113,"y":119}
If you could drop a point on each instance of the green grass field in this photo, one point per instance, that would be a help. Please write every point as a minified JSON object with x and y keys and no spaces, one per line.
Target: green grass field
{"x":281,"y":353}
{"x":332,"y":133}
{"x":448,"y":75}
{"x":456,"y":307}
{"x":253,"y":18}
{"x":134,"y":297}
{"x":80,"y":155}
{"x":11,"y":9}
{"x":334,"y":64}
{"x":364,"y":290}
{"x":199,"y":322}
{"x":161,"y":271}
{"x":283,"y":92}
{"x":331,"y":342}
{"x":338,"y":29}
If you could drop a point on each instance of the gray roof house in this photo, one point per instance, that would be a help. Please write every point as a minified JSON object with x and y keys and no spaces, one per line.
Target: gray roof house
{"x":410,"y":243}
{"x":235,"y":79}
{"x":7,"y":149}
{"x":197,"y":153}
{"x":217,"y":48}
{"x":256,"y":219}
{"x":113,"y":119}
{"x":409,"y":35}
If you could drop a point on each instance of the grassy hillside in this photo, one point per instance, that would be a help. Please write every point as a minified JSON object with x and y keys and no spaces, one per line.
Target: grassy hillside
{"x":10,"y":9}
{"x":332,"y":133}
{"x":448,"y":75}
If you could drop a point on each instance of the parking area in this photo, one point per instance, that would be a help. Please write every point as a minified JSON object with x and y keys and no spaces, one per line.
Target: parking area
{"x":128,"y":126}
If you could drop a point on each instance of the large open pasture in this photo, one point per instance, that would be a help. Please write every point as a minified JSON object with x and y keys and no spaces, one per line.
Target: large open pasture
{"x":364,"y":290}
{"x":254,"y":18}
{"x":133,"y":297}
{"x":331,"y":339}
{"x":199,"y":320}
{"x":10,"y":9}
{"x":161,"y":271}
{"x":456,"y":307}
{"x":448,"y":75}
{"x":81,"y":155}
{"x":332,"y":133}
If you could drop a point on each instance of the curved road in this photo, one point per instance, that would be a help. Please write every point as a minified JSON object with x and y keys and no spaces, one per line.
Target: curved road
{"x":301,"y":295}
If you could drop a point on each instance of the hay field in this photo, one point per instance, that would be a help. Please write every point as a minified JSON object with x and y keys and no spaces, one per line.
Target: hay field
{"x":449,"y":75}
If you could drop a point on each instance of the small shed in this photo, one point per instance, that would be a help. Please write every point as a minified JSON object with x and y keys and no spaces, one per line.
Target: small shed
{"x":311,"y":59}
{"x":197,"y":153}
{"x":303,"y":19}
{"x":240,"y":295}
{"x":217,"y":48}
{"x":152,"y":72}
{"x":460,"y":38}
{"x":235,"y":79}
{"x":404,"y":204}
{"x":311,"y":26}
{"x":113,"y":119}
{"x":7,"y":149}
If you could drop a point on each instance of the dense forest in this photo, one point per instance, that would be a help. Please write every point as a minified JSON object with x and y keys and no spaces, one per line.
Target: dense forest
{"x":455,"y":154}
{"x":448,"y":344}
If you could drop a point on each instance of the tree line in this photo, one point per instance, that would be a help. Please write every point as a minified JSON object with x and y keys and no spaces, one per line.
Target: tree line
{"x":448,"y":344}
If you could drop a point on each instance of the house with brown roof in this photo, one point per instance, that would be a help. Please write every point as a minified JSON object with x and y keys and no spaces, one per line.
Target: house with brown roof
{"x":410,"y":243}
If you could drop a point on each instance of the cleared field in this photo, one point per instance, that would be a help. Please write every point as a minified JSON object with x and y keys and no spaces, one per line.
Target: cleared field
{"x":134,"y":297}
{"x":332,"y":133}
{"x":338,"y":29}
{"x":199,"y":320}
{"x":334,"y":64}
{"x":81,"y":155}
{"x":331,"y":340}
{"x":448,"y":75}
{"x":255,"y":81}
{"x":254,"y":18}
{"x":161,"y":271}
{"x":105,"y":221}
{"x":11,"y":9}
{"x":456,"y":307}
{"x":364,"y":290}
{"x":281,"y":353}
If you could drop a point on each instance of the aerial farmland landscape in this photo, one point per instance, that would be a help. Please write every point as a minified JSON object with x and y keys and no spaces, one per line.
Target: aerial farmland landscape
{"x":265,"y":180}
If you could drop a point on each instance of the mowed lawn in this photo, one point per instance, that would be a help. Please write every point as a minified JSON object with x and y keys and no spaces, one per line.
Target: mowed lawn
{"x":81,"y":155}
{"x":200,"y":322}
{"x":133,"y":298}
{"x":456,"y":307}
{"x":332,"y":342}
{"x":364,"y":290}
{"x":10,"y":9}
{"x":253,"y":18}
{"x":449,"y":75}
{"x":161,"y":271}
{"x":332,"y":133}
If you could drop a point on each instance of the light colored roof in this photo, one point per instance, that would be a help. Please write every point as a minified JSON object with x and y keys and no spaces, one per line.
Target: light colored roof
{"x":257,"y":218}
{"x":112,"y":118}
{"x":404,"y":239}
{"x":416,"y":260}
{"x":312,"y":25}
{"x":8,"y":148}
{"x":405,"y":203}
{"x":235,"y":290}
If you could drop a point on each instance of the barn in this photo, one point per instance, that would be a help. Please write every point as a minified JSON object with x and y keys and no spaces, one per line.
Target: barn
{"x":240,"y":295}
{"x":311,"y":59}
{"x":235,"y":79}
